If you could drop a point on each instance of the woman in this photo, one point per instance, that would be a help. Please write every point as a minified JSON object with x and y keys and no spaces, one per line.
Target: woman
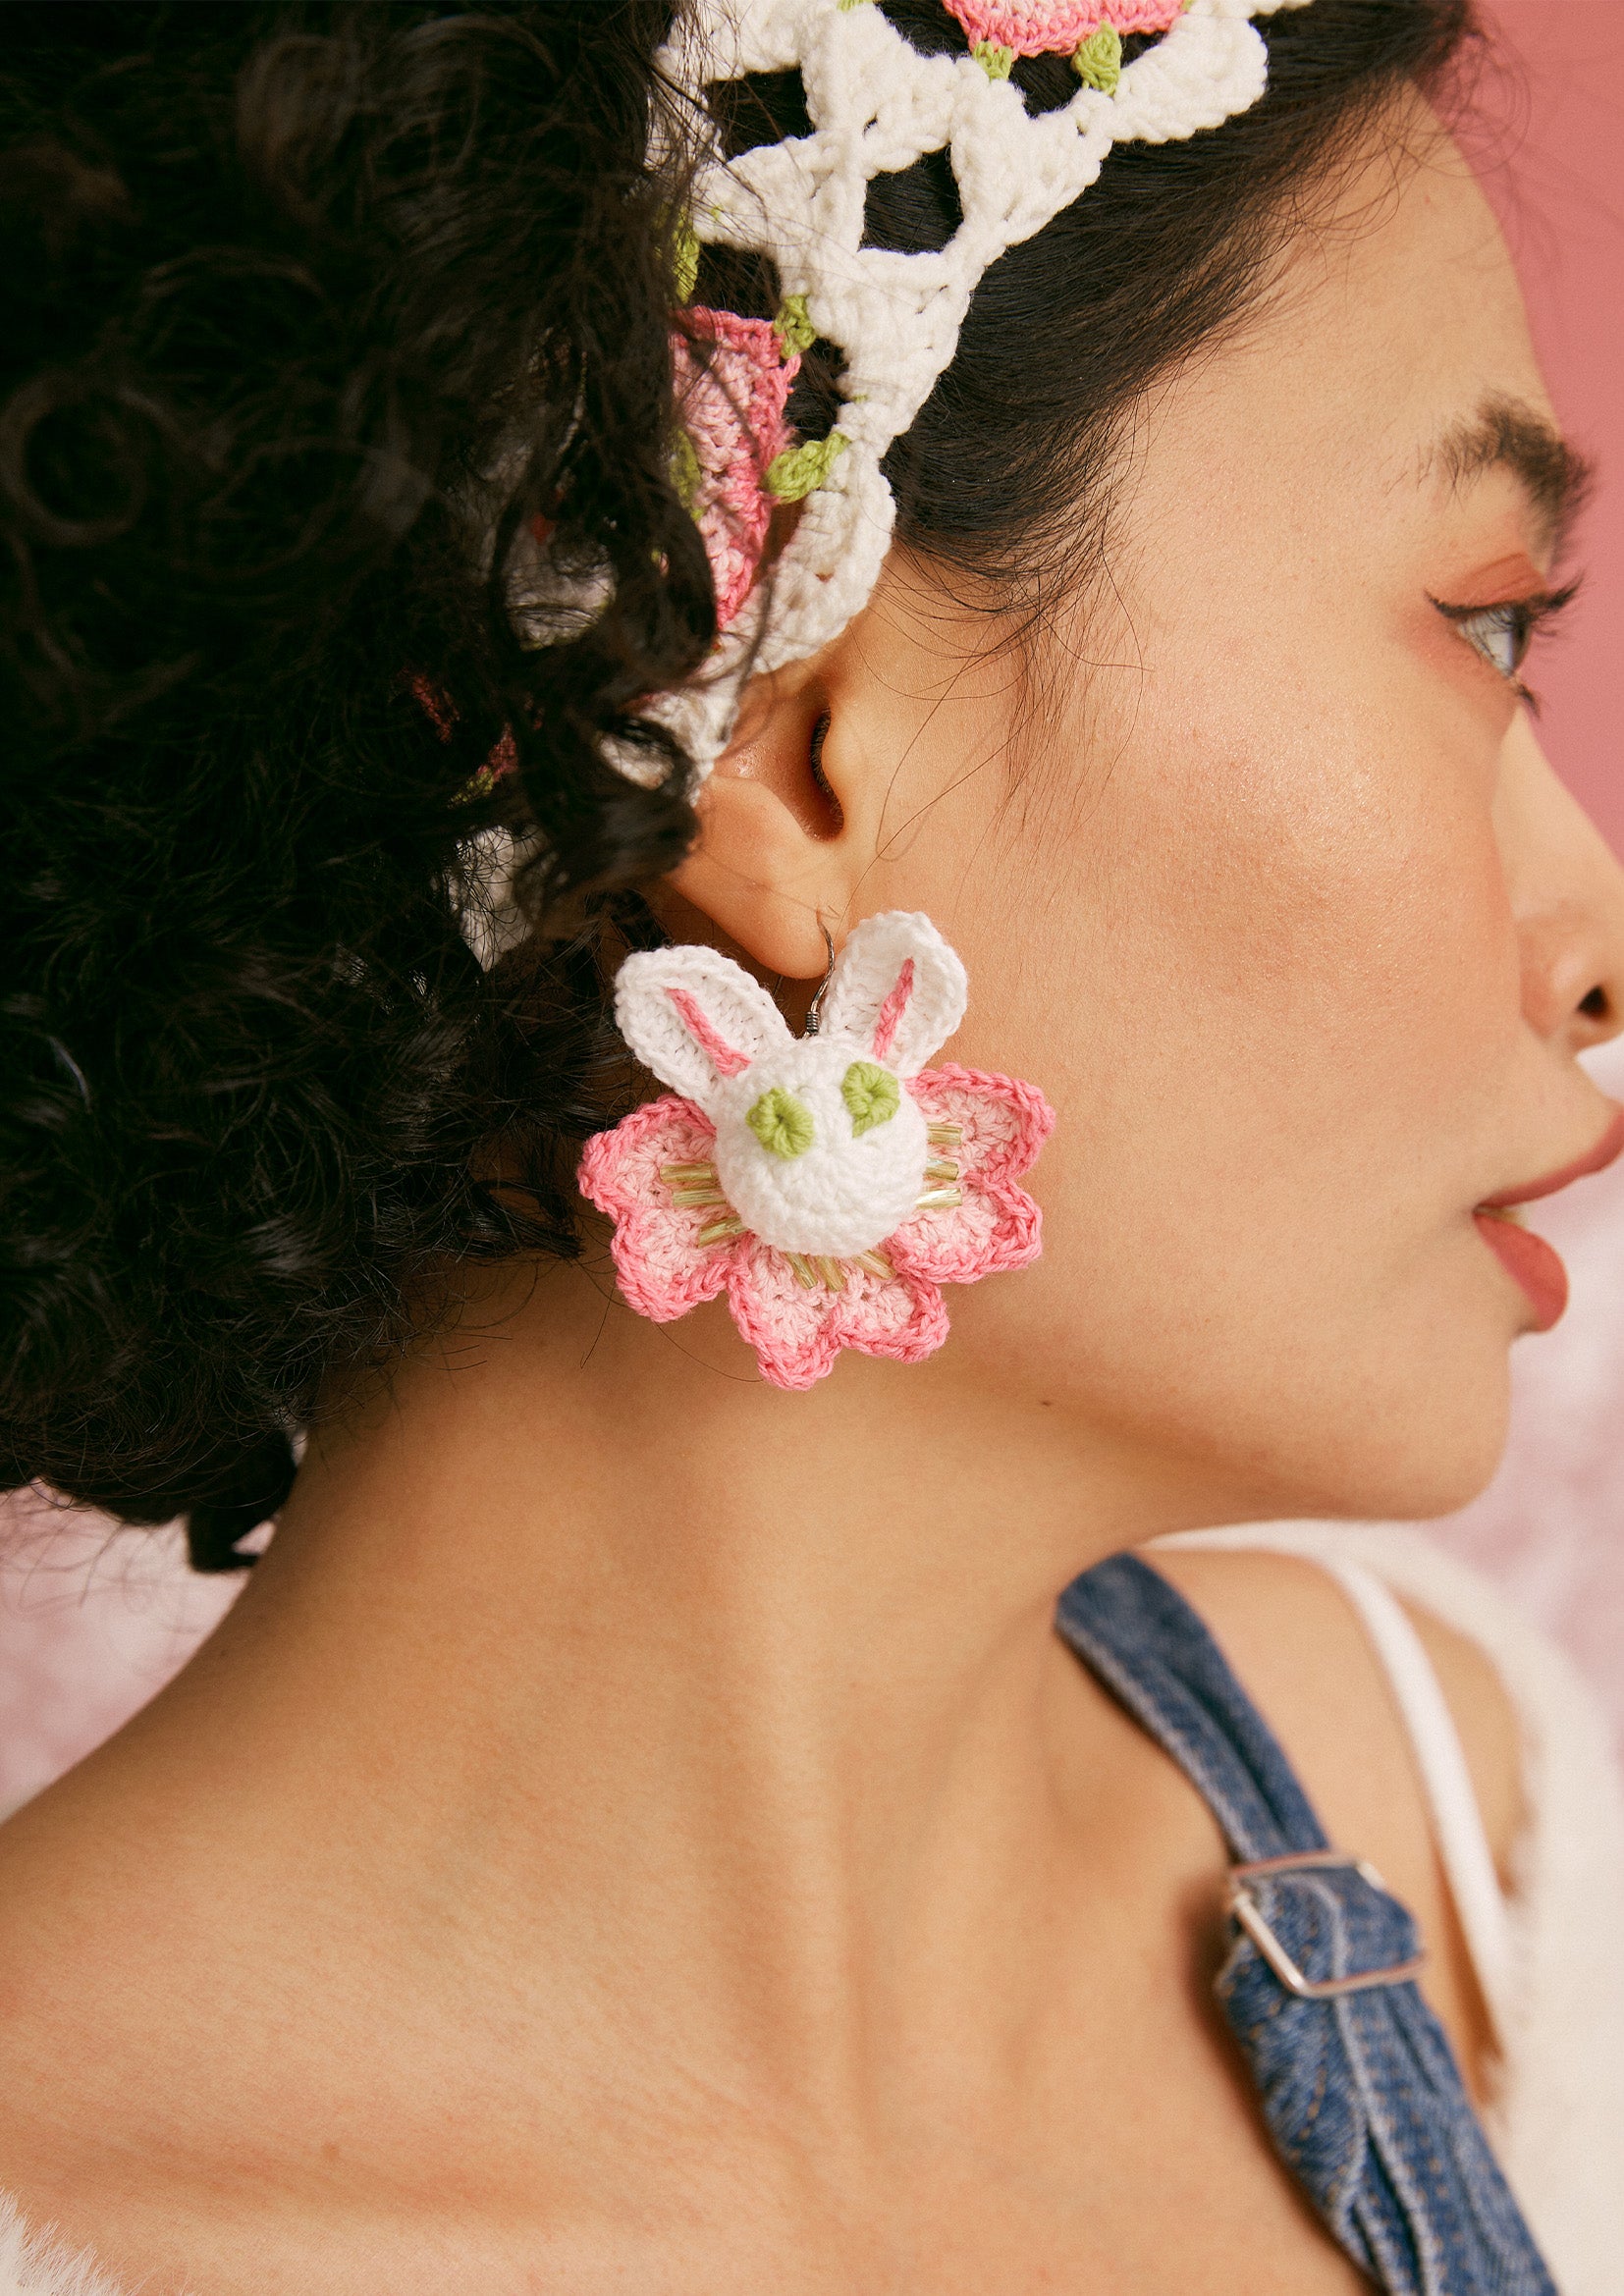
{"x":639,"y":1827}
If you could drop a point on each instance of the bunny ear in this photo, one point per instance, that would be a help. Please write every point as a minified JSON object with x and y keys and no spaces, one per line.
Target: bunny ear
{"x":899,"y":991}
{"x":694,"y":1017}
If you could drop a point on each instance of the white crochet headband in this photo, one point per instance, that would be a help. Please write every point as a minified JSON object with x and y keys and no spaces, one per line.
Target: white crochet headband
{"x":876,"y":106}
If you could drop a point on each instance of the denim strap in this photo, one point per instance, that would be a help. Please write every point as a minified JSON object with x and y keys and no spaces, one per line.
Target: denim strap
{"x":1360,"y":2092}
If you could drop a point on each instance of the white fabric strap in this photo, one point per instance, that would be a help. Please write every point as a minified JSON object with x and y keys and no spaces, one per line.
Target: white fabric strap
{"x":1446,"y":1783}
{"x":1447,"y":1791}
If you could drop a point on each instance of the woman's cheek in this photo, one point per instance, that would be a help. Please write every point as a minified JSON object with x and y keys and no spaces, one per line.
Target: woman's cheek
{"x":1237,"y":926}
{"x":1305,"y":933}
{"x":1266,"y":973}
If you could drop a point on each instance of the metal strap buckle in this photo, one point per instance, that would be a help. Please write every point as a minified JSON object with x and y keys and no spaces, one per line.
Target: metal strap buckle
{"x":1244,"y":1908}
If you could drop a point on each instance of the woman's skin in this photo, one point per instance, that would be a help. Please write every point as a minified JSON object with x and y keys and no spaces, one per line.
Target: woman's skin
{"x":638,"y":1830}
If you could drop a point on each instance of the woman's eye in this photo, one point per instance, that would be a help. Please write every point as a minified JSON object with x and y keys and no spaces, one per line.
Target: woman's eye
{"x":1500,"y":634}
{"x":1503,"y":633}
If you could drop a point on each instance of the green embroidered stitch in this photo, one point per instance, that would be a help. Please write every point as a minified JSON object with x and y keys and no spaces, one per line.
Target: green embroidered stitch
{"x":686,"y":262}
{"x":872,"y":1093}
{"x":793,"y":474}
{"x":794,"y":328}
{"x":481,"y":785}
{"x":686,"y":474}
{"x":782,"y":1123}
{"x":846,"y":7}
{"x":993,"y":59}
{"x":1097,"y":60}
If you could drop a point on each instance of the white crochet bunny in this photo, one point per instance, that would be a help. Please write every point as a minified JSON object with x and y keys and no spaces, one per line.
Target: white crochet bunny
{"x":829,"y":1184}
{"x":819,"y":1147}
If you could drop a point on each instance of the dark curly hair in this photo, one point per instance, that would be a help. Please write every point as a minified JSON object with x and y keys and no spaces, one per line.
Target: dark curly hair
{"x":315,"y":310}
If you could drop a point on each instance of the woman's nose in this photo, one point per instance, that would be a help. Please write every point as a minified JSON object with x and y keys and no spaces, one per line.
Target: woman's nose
{"x":1567,"y":895}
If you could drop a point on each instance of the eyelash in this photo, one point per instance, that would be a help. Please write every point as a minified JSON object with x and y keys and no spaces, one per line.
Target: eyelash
{"x":1502,"y":633}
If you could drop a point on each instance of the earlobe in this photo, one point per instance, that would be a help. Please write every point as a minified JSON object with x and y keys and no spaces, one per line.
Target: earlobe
{"x":776,"y":856}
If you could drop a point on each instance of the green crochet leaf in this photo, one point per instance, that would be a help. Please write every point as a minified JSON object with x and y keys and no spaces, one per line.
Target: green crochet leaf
{"x":686,"y":474}
{"x":793,"y":475}
{"x":794,"y":328}
{"x":1097,"y":60}
{"x":685,"y":255}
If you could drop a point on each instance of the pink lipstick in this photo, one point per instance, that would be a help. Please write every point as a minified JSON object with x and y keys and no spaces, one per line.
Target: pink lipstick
{"x":1533,"y":1263}
{"x":1527,"y":1257}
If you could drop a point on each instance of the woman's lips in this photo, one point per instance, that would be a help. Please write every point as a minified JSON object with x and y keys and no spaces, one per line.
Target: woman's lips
{"x":1531,"y":1260}
{"x":1596,"y":1159}
{"x":1527,"y":1257}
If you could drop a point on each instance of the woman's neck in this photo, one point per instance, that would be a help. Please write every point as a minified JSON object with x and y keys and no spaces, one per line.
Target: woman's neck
{"x":582,"y":1660}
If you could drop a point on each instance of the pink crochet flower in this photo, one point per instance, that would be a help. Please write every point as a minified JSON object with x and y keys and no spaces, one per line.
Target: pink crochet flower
{"x":1058,"y":28}
{"x":797,"y":1327}
{"x":829,"y":1184}
{"x":731,"y":401}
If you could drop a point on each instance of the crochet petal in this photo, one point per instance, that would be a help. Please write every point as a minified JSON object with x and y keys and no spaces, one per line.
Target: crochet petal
{"x":1055,"y":27}
{"x":732,"y":396}
{"x":662,"y":1268}
{"x":797,"y":1332}
{"x":1005,"y":1124}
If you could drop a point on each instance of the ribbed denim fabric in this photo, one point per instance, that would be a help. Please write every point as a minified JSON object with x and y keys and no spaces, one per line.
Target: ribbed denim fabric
{"x":1361,"y":2093}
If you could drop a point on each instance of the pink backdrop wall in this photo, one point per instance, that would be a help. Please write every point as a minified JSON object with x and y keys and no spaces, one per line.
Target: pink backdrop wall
{"x":1557,"y":175}
{"x":91,"y":1624}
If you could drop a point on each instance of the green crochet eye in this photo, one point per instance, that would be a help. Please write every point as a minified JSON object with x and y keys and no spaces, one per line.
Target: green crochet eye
{"x":872,"y":1093}
{"x":782,"y":1123}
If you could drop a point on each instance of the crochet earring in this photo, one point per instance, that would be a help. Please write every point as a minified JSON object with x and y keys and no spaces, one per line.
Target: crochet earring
{"x":831,"y":1183}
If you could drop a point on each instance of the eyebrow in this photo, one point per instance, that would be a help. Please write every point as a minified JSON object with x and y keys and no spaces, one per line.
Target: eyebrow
{"x":1506,"y":434}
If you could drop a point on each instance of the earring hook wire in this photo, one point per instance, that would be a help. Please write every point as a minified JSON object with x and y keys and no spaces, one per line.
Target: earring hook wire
{"x":814,"y":1011}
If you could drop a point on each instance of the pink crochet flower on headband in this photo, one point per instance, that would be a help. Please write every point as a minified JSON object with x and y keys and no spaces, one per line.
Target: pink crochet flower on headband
{"x":1058,"y":28}
{"x":730,"y":400}
{"x":831,"y":1184}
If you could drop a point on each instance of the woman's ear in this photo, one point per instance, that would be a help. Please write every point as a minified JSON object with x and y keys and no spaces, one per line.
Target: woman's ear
{"x":781,"y":845}
{"x":798,"y":821}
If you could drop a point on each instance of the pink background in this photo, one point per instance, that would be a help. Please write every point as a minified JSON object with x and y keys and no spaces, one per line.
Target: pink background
{"x":92,"y":1622}
{"x":1552,"y":1527}
{"x":1554,"y":169}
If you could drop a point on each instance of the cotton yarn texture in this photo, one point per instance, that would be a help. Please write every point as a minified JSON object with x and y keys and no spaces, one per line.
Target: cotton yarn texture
{"x":828,"y":1184}
{"x":878,"y":106}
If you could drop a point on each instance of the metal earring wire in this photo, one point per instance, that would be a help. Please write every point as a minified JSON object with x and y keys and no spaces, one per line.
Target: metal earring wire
{"x":814,"y":1011}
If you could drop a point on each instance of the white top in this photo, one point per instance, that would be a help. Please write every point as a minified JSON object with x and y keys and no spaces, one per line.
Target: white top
{"x":1550,"y":1962}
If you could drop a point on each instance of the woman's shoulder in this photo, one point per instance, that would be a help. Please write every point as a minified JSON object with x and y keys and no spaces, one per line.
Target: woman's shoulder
{"x":1300,"y":1651}
{"x":1282,"y":1600}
